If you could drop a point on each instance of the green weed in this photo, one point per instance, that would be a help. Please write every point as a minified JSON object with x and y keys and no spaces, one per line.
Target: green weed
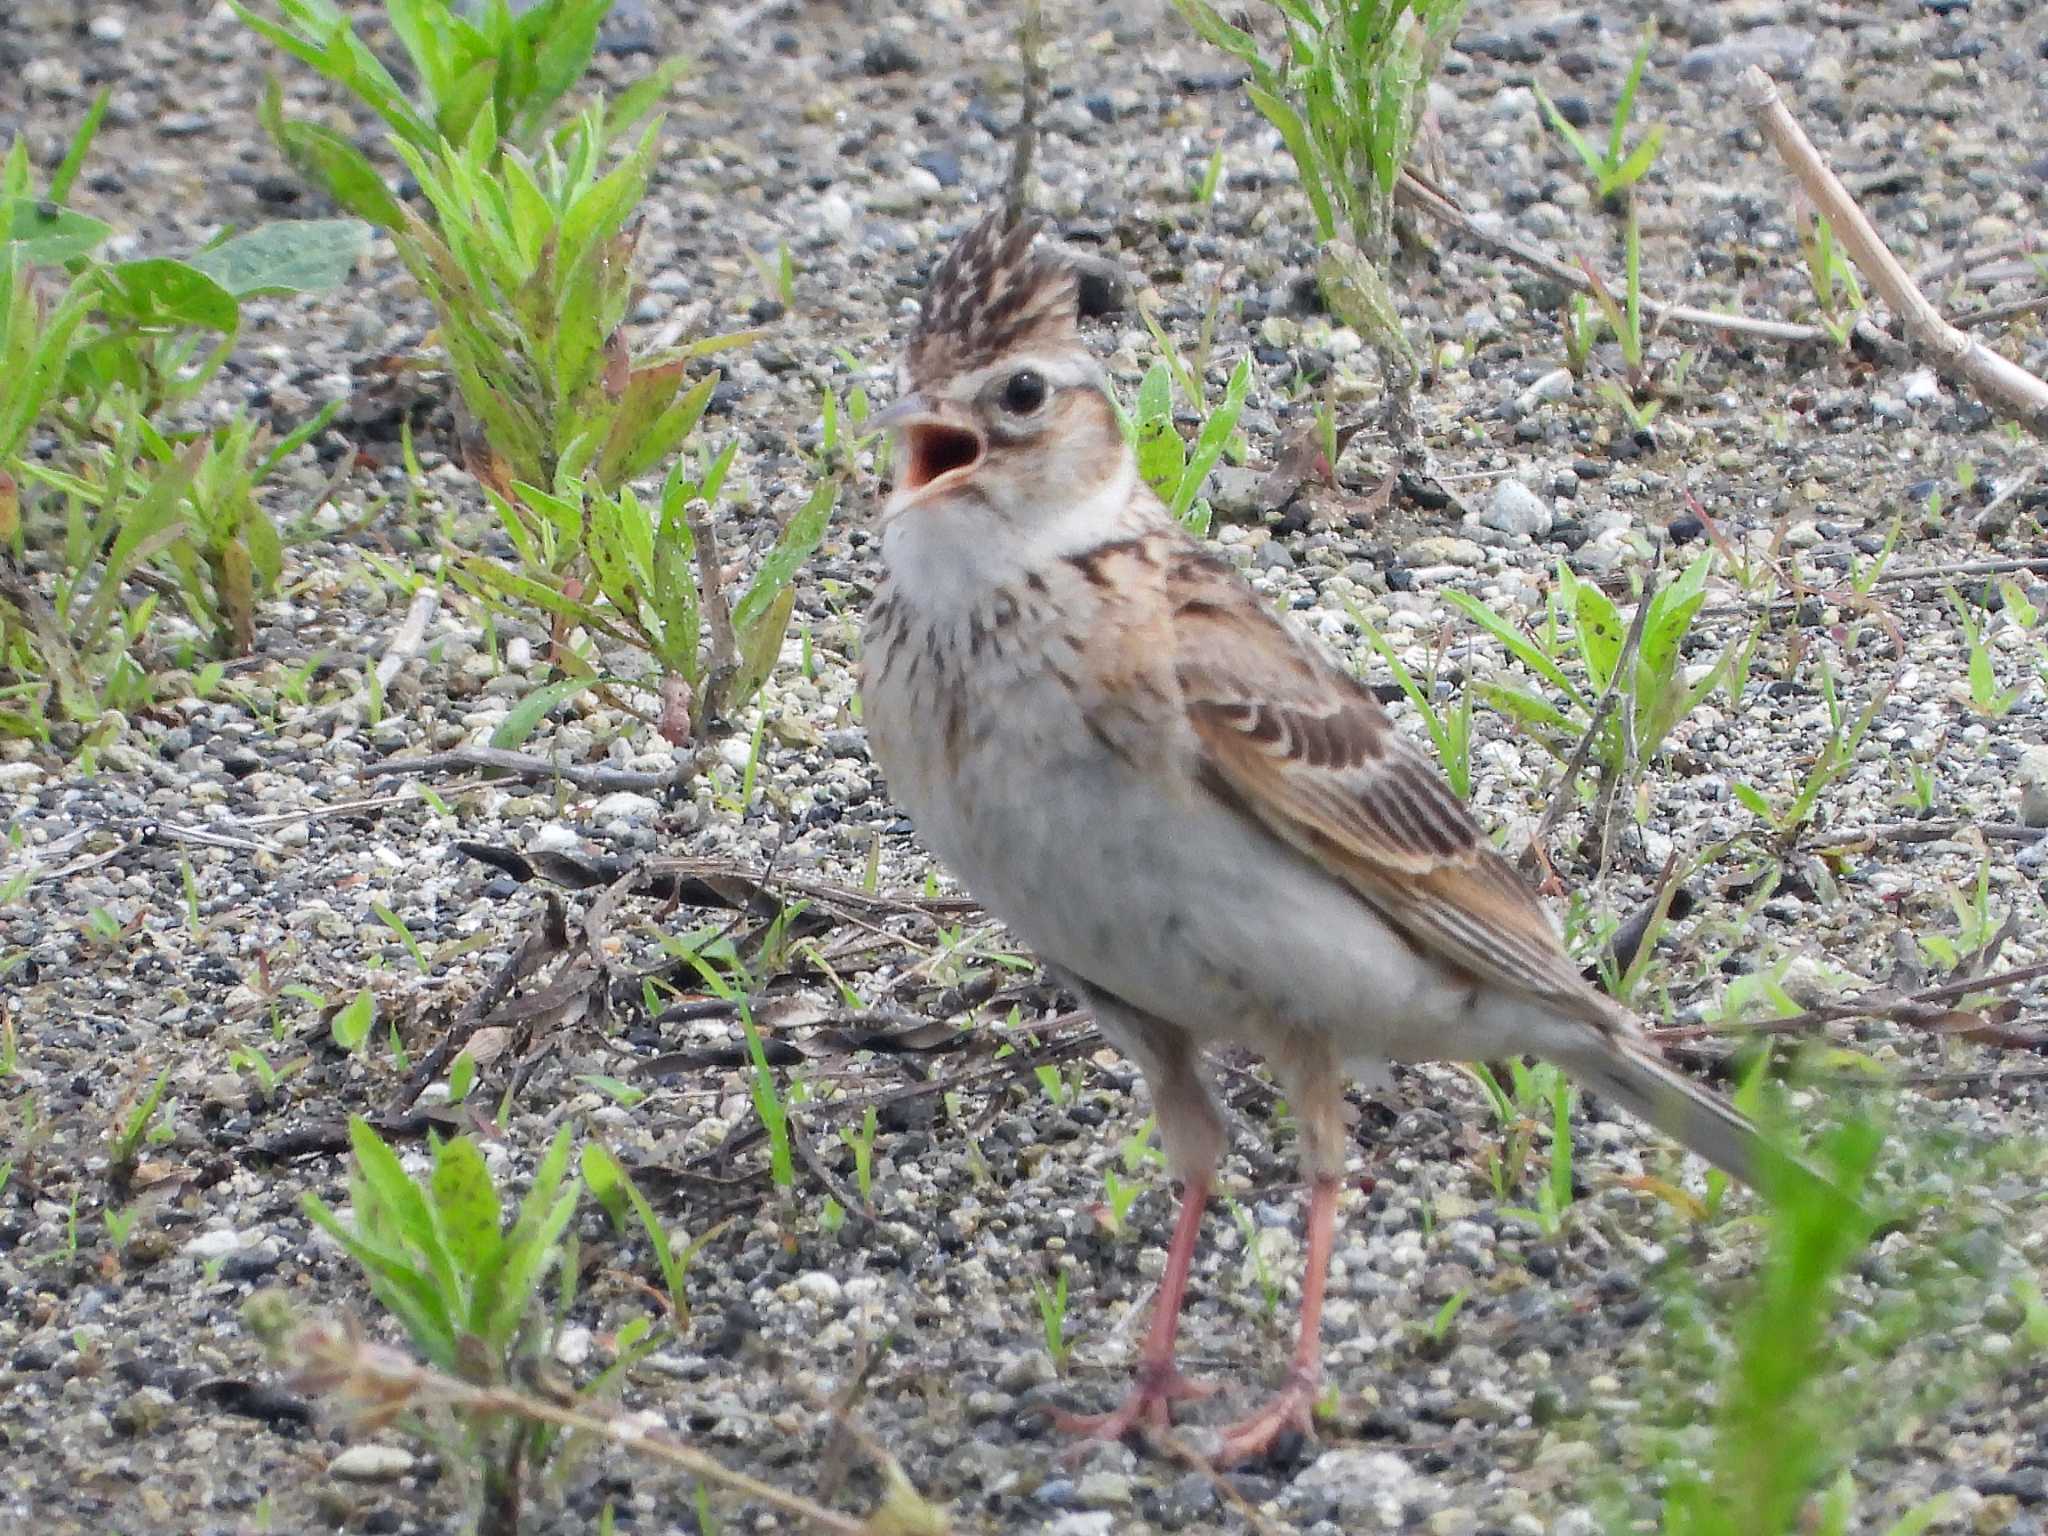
{"x":1346,"y":91}
{"x":467,"y":1288}
{"x":1617,"y":165}
{"x":515,"y":65}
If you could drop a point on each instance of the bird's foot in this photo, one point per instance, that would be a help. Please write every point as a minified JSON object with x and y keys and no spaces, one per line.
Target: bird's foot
{"x":1290,"y":1410}
{"x":1148,"y":1405}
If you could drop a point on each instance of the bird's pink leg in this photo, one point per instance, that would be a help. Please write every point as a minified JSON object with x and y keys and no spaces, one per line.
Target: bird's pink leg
{"x":1292,"y":1407}
{"x":1159,"y":1383}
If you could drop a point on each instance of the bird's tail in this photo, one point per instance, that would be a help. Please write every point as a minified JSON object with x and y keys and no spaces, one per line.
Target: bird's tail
{"x":1628,"y":1069}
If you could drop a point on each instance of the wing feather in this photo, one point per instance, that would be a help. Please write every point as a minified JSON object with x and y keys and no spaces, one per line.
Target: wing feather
{"x":1299,"y":745}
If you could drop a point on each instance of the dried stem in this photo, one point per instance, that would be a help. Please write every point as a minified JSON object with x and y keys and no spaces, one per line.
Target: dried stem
{"x":1024,"y":140}
{"x":383,"y":1382}
{"x":1424,"y":198}
{"x":1868,"y":1005}
{"x":2002,"y":384}
{"x":723,"y":657}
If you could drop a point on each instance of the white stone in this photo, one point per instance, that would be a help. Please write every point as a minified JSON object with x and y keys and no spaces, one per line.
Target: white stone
{"x":624,"y":803}
{"x":107,"y":27}
{"x":572,"y":1348}
{"x":555,"y":838}
{"x":371,"y":1464}
{"x":1557,"y":384}
{"x":218,"y":1244}
{"x":1516,"y":509}
{"x":815,"y":1285}
{"x":1920,"y":387}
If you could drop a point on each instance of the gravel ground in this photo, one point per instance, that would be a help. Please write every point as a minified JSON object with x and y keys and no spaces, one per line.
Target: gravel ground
{"x":131,"y":1396}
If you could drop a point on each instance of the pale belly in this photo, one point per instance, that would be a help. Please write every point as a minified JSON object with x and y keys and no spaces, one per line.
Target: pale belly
{"x":1171,"y":902}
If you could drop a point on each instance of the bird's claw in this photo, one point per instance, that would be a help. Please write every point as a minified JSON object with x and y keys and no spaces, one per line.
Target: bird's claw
{"x":1291,"y":1409}
{"x":1147,"y":1406}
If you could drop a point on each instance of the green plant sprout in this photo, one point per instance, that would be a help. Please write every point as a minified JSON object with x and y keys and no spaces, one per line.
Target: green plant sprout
{"x":466,"y":1288}
{"x":1616,"y":166}
{"x":1052,"y":1318}
{"x":1450,"y":731}
{"x":516,"y":63}
{"x":1346,"y":91}
{"x":1164,"y":460}
{"x":1837,"y":295}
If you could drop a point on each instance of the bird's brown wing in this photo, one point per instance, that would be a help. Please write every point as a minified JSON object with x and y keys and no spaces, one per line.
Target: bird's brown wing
{"x":1288,"y":739}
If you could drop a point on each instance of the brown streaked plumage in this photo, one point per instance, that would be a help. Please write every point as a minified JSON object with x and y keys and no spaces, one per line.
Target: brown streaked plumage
{"x":1194,"y":817}
{"x":994,"y":294}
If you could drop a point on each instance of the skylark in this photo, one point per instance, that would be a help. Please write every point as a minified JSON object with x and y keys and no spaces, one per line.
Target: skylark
{"x":1199,"y":822}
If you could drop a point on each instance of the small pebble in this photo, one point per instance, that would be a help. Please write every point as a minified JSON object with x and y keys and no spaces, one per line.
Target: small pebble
{"x":371,"y":1464}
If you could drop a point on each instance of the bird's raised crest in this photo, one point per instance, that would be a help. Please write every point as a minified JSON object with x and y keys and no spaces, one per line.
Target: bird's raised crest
{"x":995,"y":292}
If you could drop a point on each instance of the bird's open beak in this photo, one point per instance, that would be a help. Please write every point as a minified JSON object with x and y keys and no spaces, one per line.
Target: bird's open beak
{"x":934,"y":440}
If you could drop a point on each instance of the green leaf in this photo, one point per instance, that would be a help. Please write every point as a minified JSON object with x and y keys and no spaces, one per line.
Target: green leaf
{"x":652,"y":421}
{"x":528,"y":713}
{"x":62,"y":179}
{"x":1518,"y":645}
{"x":798,"y":540}
{"x":759,"y":645}
{"x":1215,"y":437}
{"x":401,"y":1287}
{"x":47,"y":234}
{"x":1295,"y":135}
{"x":330,"y":161}
{"x":387,"y":1198}
{"x":1162,"y":456}
{"x":351,"y":1025}
{"x":159,"y":291}
{"x":466,"y":1204}
{"x":291,"y":256}
{"x":1598,"y":628}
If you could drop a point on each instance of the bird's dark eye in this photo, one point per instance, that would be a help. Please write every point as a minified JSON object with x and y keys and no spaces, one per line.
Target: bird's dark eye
{"x":1024,"y":392}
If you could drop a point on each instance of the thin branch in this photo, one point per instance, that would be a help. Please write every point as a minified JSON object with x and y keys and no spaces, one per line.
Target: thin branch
{"x":1024,"y":138}
{"x":405,"y":643}
{"x":383,"y":1382}
{"x":1968,"y":260}
{"x":601,"y":779}
{"x":1998,"y":314}
{"x":1999,"y":382}
{"x":1927,"y":832}
{"x":1866,"y":1005}
{"x":1418,"y":194}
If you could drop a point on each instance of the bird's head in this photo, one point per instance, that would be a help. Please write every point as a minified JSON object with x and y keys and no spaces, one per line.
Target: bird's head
{"x":1002,"y":403}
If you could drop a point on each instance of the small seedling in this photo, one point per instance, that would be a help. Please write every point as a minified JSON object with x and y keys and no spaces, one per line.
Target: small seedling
{"x":1617,"y":166}
{"x":1447,"y":1314}
{"x":128,"y":1136}
{"x":467,"y":1289}
{"x":1986,"y":696}
{"x":615,"y":1190}
{"x":862,"y":1144}
{"x":1449,"y":731}
{"x":1178,"y":475}
{"x":1119,"y":1194}
{"x":1255,"y":1258}
{"x":1052,"y":1317}
{"x":1836,"y":292}
{"x":352,"y":1022}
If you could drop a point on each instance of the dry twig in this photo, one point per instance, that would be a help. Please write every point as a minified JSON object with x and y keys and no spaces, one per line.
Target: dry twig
{"x":1879,"y":1004}
{"x":595,"y":777}
{"x":381,"y":1383}
{"x":2000,"y":383}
